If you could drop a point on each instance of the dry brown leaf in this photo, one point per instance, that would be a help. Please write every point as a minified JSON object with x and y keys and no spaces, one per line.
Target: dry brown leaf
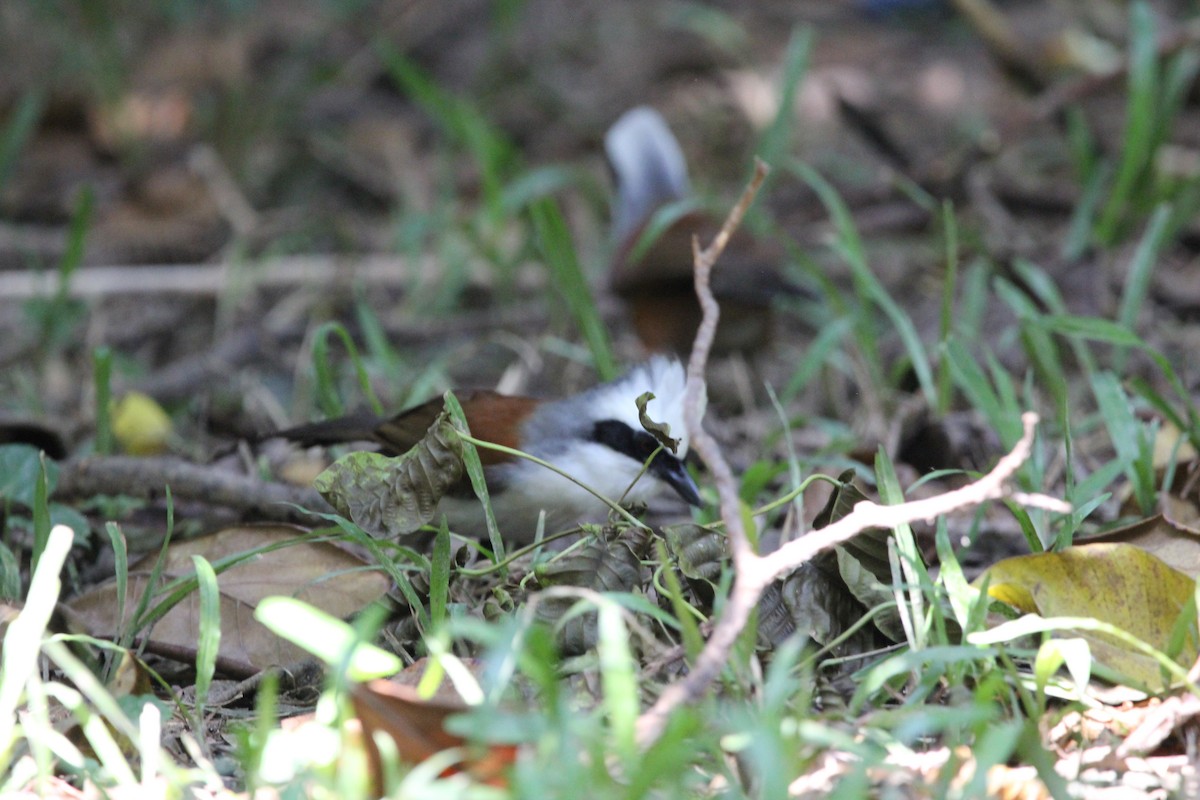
{"x":319,"y":573}
{"x":417,"y":726}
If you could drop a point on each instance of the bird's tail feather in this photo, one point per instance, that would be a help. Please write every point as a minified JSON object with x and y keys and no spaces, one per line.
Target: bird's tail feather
{"x":649,"y":167}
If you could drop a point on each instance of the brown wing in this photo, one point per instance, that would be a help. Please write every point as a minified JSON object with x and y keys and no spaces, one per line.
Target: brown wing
{"x":493,"y":417}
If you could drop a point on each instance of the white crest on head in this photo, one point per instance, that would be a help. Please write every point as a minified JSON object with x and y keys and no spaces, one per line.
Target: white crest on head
{"x":649,"y":166}
{"x":666,"y":378}
{"x":562,"y":432}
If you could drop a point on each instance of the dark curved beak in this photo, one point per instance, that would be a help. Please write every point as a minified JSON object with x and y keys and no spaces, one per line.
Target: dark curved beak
{"x":674,"y":473}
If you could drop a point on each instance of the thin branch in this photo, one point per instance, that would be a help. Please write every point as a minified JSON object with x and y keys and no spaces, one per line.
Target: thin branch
{"x":754,"y":573}
{"x":693,"y":409}
{"x":744,"y":595}
{"x":146,"y":477}
{"x":867,"y":514}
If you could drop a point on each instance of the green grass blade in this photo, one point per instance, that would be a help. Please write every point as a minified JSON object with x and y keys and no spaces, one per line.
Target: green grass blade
{"x":850,"y":247}
{"x":23,"y":638}
{"x":21,"y":123}
{"x":10,"y":574}
{"x":81,"y":219}
{"x":102,"y":359}
{"x":1126,"y":433}
{"x":209,"y":643}
{"x":816,"y":356}
{"x":439,"y":575}
{"x":1079,"y":230}
{"x":946,"y":322}
{"x":554,"y":241}
{"x":41,"y":512}
{"x":1141,"y":120}
{"x":1141,"y":269}
{"x":618,"y":677}
{"x":775,"y":142}
{"x":121,"y":567}
{"x":327,"y":394}
{"x":474,"y":469}
{"x":1039,"y":347}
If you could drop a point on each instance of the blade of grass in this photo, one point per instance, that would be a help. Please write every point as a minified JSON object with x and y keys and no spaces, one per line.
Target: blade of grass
{"x":327,"y":394}
{"x":618,"y":677}
{"x":974,"y":383}
{"x":1127,"y":434}
{"x":912,"y":567}
{"x":139,"y":619}
{"x":1039,"y":347}
{"x":439,"y":575}
{"x":1079,"y":230}
{"x":41,"y":513}
{"x":775,"y":141}
{"x":21,"y":123}
{"x":554,"y":241}
{"x":689,"y":629}
{"x":1045,"y":289}
{"x":1102,"y":330}
{"x":816,"y":355}
{"x":944,"y":385}
{"x":10,"y":574}
{"x":462,"y":123}
{"x":849,"y":245}
{"x":375,"y":339}
{"x":209,"y":643}
{"x":474,"y":468}
{"x":102,"y":358}
{"x":121,"y":569}
{"x":23,"y":638}
{"x":1137,"y":279}
{"x":1140,"y":120}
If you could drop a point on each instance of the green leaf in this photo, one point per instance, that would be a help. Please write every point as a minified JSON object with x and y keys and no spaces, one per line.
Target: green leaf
{"x":20,"y":465}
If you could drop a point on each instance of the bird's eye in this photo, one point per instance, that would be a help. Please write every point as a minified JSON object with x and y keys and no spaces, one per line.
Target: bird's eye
{"x":646,"y":444}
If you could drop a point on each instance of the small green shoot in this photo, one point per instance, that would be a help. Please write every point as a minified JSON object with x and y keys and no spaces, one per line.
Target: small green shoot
{"x":102,"y":359}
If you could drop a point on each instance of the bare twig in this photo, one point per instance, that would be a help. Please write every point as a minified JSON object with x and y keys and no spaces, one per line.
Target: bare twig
{"x":743,"y":597}
{"x":146,"y":477}
{"x":693,"y":410}
{"x":215,"y":279}
{"x":753,"y":572}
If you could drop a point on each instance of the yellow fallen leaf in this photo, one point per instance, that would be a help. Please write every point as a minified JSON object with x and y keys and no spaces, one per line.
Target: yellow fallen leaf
{"x":1118,"y":584}
{"x":140,"y":425}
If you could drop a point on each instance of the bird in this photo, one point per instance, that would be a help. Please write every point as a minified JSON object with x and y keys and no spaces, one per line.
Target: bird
{"x":594,"y":436}
{"x":654,"y":218}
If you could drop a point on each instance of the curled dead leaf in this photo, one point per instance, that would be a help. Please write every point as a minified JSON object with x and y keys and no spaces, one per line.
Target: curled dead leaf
{"x":395,"y":496}
{"x":611,"y":563}
{"x":661,"y":431}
